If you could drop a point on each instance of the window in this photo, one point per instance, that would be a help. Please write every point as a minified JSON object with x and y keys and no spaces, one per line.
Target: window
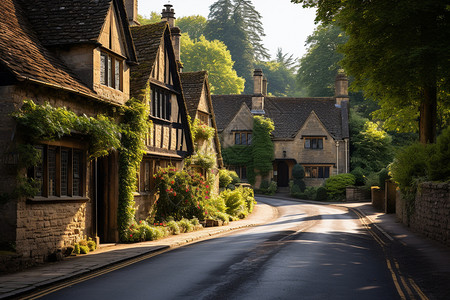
{"x":110,"y":71}
{"x":60,"y":172}
{"x":313,"y":143}
{"x":161,"y":104}
{"x":242,"y":138}
{"x":203,"y":117}
{"x":317,"y":171}
{"x":241,"y":172}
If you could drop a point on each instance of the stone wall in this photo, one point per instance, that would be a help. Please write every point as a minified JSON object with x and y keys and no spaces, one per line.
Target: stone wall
{"x":38,"y":229}
{"x":431,"y":216}
{"x":44,"y":227}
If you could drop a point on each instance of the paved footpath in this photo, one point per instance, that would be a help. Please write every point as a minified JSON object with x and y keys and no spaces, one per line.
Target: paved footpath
{"x":16,"y":284}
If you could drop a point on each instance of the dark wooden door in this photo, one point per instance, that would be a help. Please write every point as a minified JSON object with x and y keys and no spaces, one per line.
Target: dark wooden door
{"x":282,"y":174}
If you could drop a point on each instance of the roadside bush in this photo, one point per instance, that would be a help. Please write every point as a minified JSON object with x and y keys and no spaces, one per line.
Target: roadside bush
{"x":409,"y":164}
{"x":295,"y":191}
{"x":268,"y":188}
{"x":185,"y":225}
{"x":224,"y":178}
{"x":310,"y":193}
{"x":321,"y":194}
{"x":360,"y":178}
{"x":84,"y":249}
{"x":335,"y":185}
{"x":439,"y":161}
{"x":234,"y":201}
{"x":173,"y":227}
{"x":76,"y":249}
{"x":91,"y":245}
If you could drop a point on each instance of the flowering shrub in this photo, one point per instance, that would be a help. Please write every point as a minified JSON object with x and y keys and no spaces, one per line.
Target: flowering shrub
{"x":181,"y":194}
{"x":201,"y":131}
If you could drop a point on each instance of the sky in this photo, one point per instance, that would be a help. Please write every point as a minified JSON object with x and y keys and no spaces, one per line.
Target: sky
{"x":286,"y":25}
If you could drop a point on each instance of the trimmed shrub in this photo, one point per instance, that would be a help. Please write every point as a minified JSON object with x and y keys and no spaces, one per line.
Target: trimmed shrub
{"x":335,"y":185}
{"x":235,"y":178}
{"x":310,"y":193}
{"x":185,"y":225}
{"x":298,"y":173}
{"x":321,"y":194}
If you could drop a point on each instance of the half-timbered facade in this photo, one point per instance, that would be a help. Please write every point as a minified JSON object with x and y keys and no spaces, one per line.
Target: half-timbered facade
{"x":156,"y":79}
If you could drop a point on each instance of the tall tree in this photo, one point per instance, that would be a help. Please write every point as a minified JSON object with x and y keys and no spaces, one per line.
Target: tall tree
{"x":154,"y":18}
{"x":193,"y":25}
{"x":398,"y":51}
{"x":239,"y":26}
{"x":213,"y":57}
{"x":319,"y":66}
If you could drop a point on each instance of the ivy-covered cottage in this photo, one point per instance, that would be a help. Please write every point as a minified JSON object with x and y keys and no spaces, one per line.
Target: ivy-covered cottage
{"x":310,"y":131}
{"x":156,"y":79}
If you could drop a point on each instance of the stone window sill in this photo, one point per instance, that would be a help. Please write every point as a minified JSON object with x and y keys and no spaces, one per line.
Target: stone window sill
{"x":55,"y":199}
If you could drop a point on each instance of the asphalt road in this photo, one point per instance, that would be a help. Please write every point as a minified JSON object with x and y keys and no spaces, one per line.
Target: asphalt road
{"x":309,"y":252}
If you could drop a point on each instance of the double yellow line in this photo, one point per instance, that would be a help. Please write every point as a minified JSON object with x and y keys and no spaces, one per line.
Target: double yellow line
{"x":57,"y":287}
{"x":407,"y":289}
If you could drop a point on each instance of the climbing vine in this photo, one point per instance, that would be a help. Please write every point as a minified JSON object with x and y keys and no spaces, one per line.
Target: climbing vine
{"x":258,"y":156}
{"x":48,"y":123}
{"x":134,"y":128}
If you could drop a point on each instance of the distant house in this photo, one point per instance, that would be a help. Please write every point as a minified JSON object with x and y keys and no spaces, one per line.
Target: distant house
{"x":74,"y":54}
{"x":310,"y":131}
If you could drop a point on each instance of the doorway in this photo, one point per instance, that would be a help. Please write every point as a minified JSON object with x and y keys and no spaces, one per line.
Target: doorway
{"x":282,"y":174}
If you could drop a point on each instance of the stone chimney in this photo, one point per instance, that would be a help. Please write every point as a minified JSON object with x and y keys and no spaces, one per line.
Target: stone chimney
{"x":168,"y":15}
{"x":264,"y":89}
{"x":258,"y":97}
{"x":131,"y":7}
{"x":341,"y":87}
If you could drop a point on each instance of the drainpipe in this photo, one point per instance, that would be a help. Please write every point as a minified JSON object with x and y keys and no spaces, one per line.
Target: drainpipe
{"x":337,"y":157}
{"x":346,"y":155}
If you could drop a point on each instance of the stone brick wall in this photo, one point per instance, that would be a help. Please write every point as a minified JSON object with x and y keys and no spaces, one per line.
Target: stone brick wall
{"x":432,"y":212}
{"x":43,"y":228}
{"x":38,"y":229}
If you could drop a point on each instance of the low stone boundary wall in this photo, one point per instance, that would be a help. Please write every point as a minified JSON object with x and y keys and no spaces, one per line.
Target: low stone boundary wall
{"x":431,"y":216}
{"x":355,"y":194}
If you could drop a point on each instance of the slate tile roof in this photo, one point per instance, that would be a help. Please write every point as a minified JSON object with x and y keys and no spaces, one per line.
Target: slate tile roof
{"x":22,"y":53}
{"x":193,"y":83}
{"x":147,"y":40}
{"x":60,"y":22}
{"x":288,"y":114}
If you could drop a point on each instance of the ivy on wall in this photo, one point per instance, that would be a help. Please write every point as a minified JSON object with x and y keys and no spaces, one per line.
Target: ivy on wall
{"x":47,"y":123}
{"x":134,"y":128}
{"x":258,"y":156}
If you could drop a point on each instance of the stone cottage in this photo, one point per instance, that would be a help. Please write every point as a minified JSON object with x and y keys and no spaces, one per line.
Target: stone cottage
{"x":73,"y":54}
{"x":310,"y":131}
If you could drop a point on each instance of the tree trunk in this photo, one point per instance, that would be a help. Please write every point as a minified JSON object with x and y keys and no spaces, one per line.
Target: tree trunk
{"x":428,"y":115}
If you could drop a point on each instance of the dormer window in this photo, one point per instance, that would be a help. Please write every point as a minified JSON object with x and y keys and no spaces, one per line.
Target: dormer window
{"x":110,"y":71}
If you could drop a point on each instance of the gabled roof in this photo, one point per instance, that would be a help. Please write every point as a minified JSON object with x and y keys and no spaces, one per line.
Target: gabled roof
{"x":147,"y":40}
{"x":23,"y":55}
{"x":193,"y":83}
{"x":288,"y":114}
{"x":66,"y":22}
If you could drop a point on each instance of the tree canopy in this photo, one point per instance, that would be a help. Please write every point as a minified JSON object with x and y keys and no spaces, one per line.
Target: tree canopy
{"x":238,"y":24}
{"x":213,"y":57}
{"x":193,"y":25}
{"x":398,"y":51}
